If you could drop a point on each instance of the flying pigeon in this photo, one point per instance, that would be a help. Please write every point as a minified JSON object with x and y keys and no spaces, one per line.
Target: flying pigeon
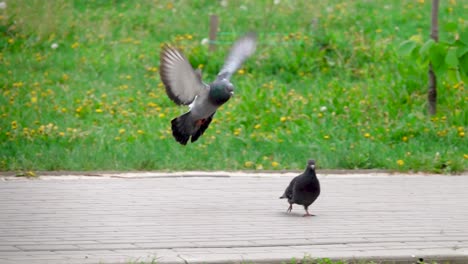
{"x":184,"y":86}
{"x":303,"y":189}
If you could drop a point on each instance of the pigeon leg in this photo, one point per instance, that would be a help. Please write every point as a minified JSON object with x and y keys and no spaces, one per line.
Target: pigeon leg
{"x":307,"y":212}
{"x":289,"y":209}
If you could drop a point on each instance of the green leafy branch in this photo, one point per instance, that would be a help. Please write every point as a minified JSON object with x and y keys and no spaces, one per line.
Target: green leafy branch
{"x":448,"y":58}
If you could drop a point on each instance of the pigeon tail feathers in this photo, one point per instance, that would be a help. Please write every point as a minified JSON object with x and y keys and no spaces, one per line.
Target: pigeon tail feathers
{"x":182,"y":128}
{"x":204,"y":125}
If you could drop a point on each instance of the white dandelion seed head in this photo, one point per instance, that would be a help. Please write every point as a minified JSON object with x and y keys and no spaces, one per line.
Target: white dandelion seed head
{"x":243,"y":7}
{"x":224,"y":3}
{"x":205,"y":41}
{"x":54,"y":45}
{"x":3,"y":5}
{"x":276,"y":2}
{"x":323,"y":108}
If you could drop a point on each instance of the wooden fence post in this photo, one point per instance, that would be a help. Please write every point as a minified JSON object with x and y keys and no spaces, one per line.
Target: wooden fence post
{"x":214,"y":22}
{"x":432,"y":92}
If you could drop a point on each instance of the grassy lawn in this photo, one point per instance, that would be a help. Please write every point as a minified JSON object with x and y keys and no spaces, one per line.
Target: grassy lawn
{"x":80,"y":87}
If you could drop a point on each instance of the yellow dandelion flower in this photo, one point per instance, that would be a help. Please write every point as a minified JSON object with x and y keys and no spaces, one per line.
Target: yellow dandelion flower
{"x":367,"y":135}
{"x":62,"y":134}
{"x":326,"y":137}
{"x":461,"y":134}
{"x":79,"y":109}
{"x":248,"y":164}
{"x":405,"y":139}
{"x":465,"y":156}
{"x":65,"y":77}
{"x":283,"y":119}
{"x":117,"y":138}
{"x":11,"y":41}
{"x":121,"y":131}
{"x":18,"y":84}
{"x":99,"y":110}
{"x":241,"y":71}
{"x":162,"y":115}
{"x":400,"y":162}
{"x":257,"y":126}
{"x":274,"y":164}
{"x":128,"y":77}
{"x":141,"y":132}
{"x":75,"y":45}
{"x":14,"y":125}
{"x":33,"y":100}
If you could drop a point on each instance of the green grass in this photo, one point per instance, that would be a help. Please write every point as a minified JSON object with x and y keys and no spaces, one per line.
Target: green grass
{"x":326,"y":82}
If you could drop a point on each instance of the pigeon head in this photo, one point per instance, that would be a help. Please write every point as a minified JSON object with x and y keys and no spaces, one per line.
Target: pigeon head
{"x":311,"y":164}
{"x":221,"y":91}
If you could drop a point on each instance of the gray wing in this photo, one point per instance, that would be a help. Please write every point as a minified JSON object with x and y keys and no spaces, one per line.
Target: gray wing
{"x":182,"y":82}
{"x":240,"y":51}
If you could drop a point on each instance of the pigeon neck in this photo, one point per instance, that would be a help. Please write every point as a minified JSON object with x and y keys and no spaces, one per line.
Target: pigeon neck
{"x":310,"y":172}
{"x":218,"y":95}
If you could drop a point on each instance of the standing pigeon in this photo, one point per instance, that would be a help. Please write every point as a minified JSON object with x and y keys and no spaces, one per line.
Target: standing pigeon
{"x":303,"y":189}
{"x":184,"y":86}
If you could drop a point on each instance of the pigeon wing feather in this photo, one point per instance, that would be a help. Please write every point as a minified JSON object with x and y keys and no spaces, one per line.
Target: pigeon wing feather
{"x":288,"y":193}
{"x":240,"y":51}
{"x":181,"y":81}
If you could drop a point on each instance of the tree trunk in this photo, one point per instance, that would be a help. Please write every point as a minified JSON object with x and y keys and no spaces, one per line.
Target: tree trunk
{"x":432,"y":92}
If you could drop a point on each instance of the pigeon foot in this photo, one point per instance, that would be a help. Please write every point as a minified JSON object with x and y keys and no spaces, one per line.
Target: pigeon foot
{"x":289,"y":209}
{"x":307,"y":214}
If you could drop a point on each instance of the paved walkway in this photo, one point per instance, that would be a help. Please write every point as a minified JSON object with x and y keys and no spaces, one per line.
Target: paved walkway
{"x":236,"y":219}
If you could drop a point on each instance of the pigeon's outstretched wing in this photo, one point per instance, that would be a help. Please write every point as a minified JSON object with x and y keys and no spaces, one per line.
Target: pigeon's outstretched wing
{"x":182,"y":82}
{"x":240,"y":51}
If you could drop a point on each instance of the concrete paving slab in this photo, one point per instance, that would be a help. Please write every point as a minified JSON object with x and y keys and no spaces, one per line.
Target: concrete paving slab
{"x":204,"y":218}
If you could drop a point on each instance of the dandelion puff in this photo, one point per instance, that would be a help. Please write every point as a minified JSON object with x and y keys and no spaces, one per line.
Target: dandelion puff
{"x":205,"y":41}
{"x":224,"y":3}
{"x":243,"y":7}
{"x":323,"y":108}
{"x":54,"y":45}
{"x":3,"y":5}
{"x":276,"y":2}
